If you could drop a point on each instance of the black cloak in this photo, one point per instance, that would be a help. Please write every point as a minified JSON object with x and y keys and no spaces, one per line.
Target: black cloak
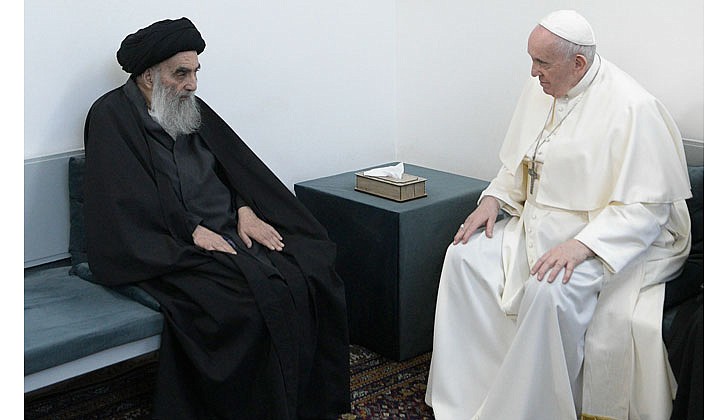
{"x":218,"y":306}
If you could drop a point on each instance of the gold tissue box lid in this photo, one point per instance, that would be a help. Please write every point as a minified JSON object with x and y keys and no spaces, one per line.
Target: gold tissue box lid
{"x":405,"y":189}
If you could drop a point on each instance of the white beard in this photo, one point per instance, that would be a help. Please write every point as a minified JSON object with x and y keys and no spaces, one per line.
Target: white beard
{"x":177,"y":113}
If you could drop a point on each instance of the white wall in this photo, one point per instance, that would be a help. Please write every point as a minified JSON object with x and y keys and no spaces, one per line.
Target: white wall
{"x":326,"y":86}
{"x":461,"y":65}
{"x":308,"y":85}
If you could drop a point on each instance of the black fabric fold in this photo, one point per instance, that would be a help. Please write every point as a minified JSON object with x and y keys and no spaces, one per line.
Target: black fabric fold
{"x":137,"y":233}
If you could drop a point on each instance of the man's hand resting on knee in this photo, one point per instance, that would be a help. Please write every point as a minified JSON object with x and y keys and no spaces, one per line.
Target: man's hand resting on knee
{"x":211,"y":241}
{"x":566,"y":256}
{"x":250,"y":228}
{"x":484,"y":215}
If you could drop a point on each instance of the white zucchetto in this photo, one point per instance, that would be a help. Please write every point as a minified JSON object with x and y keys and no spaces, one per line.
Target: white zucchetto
{"x":571,"y":26}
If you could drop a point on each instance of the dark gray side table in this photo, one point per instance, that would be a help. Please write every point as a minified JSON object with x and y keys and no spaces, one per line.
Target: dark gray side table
{"x":390,"y":254}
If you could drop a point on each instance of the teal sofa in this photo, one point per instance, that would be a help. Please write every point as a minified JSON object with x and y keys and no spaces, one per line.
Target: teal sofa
{"x":73,"y":326}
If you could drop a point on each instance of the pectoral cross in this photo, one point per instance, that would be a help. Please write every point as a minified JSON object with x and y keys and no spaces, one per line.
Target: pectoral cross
{"x":532,"y":173}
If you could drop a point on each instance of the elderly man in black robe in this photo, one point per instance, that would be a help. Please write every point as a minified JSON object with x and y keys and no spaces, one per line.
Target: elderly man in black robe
{"x":175,"y":202}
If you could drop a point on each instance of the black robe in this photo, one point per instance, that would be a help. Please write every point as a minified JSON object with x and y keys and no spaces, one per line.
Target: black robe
{"x":242,"y":338}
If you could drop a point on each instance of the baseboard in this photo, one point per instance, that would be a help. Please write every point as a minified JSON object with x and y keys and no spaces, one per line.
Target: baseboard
{"x":90,"y":363}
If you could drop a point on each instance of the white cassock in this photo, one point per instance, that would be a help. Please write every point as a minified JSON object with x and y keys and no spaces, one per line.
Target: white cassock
{"x":612,"y":174}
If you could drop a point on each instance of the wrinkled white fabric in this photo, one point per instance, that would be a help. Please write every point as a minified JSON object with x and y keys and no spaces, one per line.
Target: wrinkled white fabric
{"x":508,"y":346}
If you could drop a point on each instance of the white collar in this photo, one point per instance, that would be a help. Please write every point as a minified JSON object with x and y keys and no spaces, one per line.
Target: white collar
{"x":585,"y":80}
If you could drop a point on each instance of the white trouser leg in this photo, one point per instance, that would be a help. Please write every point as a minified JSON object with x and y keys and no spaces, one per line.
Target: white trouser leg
{"x":540,"y":376}
{"x":471,"y":333}
{"x":487,"y":365}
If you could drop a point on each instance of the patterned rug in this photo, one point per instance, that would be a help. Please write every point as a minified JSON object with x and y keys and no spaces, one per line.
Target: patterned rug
{"x":380,"y":388}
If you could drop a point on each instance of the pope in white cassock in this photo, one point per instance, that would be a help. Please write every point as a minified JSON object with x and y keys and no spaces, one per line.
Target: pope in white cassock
{"x":555,"y":312}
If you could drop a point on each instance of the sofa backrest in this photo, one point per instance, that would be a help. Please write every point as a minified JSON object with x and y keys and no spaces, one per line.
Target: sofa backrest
{"x":77,"y":232}
{"x":46,"y":208}
{"x":690,"y":281}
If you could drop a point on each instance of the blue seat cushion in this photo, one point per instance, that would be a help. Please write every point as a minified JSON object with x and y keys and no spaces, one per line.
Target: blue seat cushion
{"x":67,"y":318}
{"x":129,"y":290}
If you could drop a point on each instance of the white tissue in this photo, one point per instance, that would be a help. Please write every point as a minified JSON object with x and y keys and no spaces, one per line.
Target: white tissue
{"x":395,"y":171}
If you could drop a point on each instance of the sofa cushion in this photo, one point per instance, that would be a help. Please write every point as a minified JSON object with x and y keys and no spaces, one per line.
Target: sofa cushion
{"x":67,"y":318}
{"x":129,"y":290}
{"x":695,"y":206}
{"x":77,"y":233}
{"x":77,"y":237}
{"x":690,"y":282}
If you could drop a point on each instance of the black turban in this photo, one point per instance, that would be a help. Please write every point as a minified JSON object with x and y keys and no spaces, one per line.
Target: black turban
{"x":156,"y":43}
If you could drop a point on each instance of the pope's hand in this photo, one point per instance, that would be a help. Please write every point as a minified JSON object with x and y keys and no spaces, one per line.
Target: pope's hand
{"x":566,"y":256}
{"x":484,"y":215}
{"x":250,"y":228}
{"x":211,"y":241}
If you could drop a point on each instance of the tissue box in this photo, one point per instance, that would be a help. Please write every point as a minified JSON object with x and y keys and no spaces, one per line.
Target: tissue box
{"x":407,"y":188}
